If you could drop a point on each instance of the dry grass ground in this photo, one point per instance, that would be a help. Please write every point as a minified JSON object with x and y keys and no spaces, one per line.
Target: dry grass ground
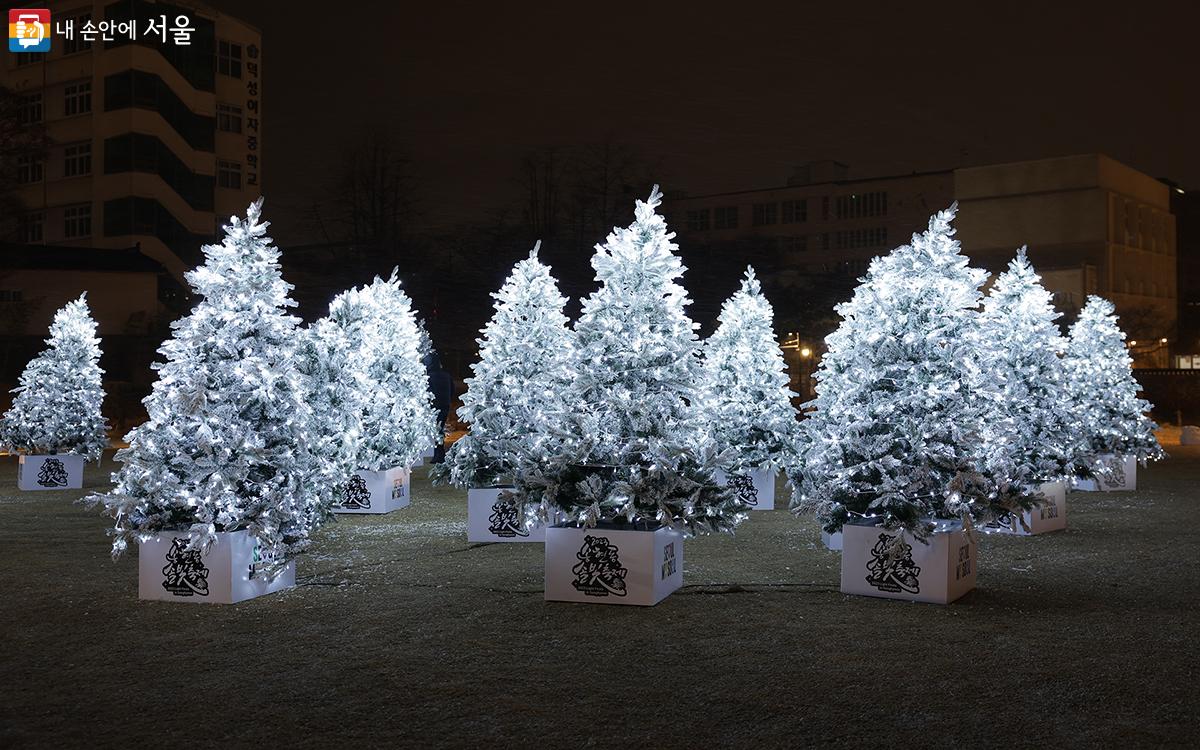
{"x":401,"y":634}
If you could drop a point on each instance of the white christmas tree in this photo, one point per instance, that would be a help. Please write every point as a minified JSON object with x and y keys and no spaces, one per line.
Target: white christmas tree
{"x":896,"y":422}
{"x":226,"y":444}
{"x":1030,"y":432}
{"x":643,"y":452}
{"x":397,"y":421}
{"x":514,"y":402}
{"x":57,"y":407}
{"x":746,"y":398}
{"x":1103,"y":394}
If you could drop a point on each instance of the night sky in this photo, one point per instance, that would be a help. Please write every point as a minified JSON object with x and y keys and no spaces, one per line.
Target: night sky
{"x":718,"y":97}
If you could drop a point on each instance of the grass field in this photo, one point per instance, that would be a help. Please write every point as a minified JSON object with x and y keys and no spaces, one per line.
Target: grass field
{"x":401,"y":634}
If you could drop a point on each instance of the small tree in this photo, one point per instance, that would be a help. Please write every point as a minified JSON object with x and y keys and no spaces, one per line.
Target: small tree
{"x":643,"y":452}
{"x":895,"y":426}
{"x":57,"y":407}
{"x":226,"y":445}
{"x":1033,"y":438}
{"x":1102,"y":393}
{"x":397,"y":421}
{"x":514,"y":402}
{"x":746,"y":398}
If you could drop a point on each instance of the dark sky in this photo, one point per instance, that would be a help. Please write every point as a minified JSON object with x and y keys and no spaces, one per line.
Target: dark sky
{"x":721,"y":96}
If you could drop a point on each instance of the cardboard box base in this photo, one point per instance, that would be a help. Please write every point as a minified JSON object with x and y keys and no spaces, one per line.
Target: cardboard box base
{"x":1049,"y":517}
{"x":1122,"y":476}
{"x":612,"y":565}
{"x":757,"y":488}
{"x":62,"y":471}
{"x":168,"y":571}
{"x":938,"y":572}
{"x":832,"y":541}
{"x":492,"y":519}
{"x":376,"y":492}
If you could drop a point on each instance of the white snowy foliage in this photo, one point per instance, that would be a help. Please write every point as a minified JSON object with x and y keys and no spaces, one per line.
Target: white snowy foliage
{"x":397,"y":421}
{"x":747,"y":401}
{"x":643,"y":453}
{"x":226,"y":444}
{"x":514,"y":401}
{"x":334,"y":387}
{"x":898,"y":417}
{"x":57,"y":406}
{"x":1102,"y":391}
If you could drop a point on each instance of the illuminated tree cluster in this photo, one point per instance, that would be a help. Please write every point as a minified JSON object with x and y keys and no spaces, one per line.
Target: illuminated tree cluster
{"x":57,"y":406}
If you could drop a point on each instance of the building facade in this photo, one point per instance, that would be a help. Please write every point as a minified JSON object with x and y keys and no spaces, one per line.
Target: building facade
{"x":152,"y":142}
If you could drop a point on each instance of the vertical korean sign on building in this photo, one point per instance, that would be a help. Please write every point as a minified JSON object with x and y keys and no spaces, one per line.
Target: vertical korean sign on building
{"x":253,"y":116}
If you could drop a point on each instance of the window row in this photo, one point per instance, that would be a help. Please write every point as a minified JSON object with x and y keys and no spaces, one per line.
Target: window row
{"x":856,"y":206}
{"x":77,"y":100}
{"x":76,"y":224}
{"x":789,"y":212}
{"x":77,"y":161}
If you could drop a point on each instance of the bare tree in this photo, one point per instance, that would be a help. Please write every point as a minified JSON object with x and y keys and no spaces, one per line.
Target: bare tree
{"x":374,"y":192}
{"x":541,"y":178}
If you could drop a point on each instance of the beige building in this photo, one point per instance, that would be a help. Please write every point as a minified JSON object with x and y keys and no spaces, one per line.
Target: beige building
{"x":153,"y":143}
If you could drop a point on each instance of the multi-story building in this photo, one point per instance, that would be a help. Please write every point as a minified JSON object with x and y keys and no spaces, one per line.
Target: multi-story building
{"x":1092,"y":224}
{"x":153,"y":142}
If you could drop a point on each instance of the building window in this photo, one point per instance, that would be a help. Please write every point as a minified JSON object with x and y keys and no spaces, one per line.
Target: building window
{"x":30,"y":227}
{"x":229,"y":174}
{"x":796,"y":244}
{"x":77,"y":221}
{"x":77,"y":98}
{"x":30,"y":169}
{"x":725,"y":217}
{"x":77,"y":159}
{"x":229,"y":118}
{"x":11,"y":295}
{"x":29,"y":109}
{"x":77,"y":43}
{"x":856,"y":238}
{"x":766,"y":213}
{"x":857,"y":206}
{"x":795,"y":212}
{"x":697,"y":221}
{"x":229,"y":59}
{"x":29,"y":58}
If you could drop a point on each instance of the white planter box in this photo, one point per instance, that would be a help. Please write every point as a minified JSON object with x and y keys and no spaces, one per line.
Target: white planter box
{"x":1121,"y":475}
{"x":491,"y":519}
{"x":757,"y":488}
{"x":612,"y":566}
{"x":427,"y":456}
{"x":63,"y":471}
{"x":168,"y":571}
{"x":832,"y":541}
{"x":1049,"y":517}
{"x":375,"y":492}
{"x":938,"y":572}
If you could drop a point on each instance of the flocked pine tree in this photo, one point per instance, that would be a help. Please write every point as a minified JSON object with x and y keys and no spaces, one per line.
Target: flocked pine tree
{"x":896,"y":424}
{"x":57,"y":407}
{"x":225,"y":446}
{"x":643,"y":452}
{"x":1102,"y":390}
{"x":514,"y":402}
{"x":1030,"y":433}
{"x":746,"y":398}
{"x":396,"y":419}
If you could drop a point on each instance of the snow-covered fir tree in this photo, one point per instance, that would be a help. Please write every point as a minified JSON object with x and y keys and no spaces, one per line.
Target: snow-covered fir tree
{"x":747,"y":401}
{"x":896,"y":422}
{"x":514,"y":402}
{"x":1102,"y":391}
{"x":643,"y":452}
{"x":57,"y":406}
{"x":226,"y":445}
{"x":1029,"y":436}
{"x":397,"y":421}
{"x":333,"y":385}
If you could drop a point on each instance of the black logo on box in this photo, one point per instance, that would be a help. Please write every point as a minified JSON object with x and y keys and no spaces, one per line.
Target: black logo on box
{"x":893,"y":572}
{"x":1114,"y":478}
{"x":743,"y":486}
{"x":669,"y":565}
{"x":52,"y":473}
{"x":504,"y":522}
{"x":1005,"y":520}
{"x":185,"y":572}
{"x":356,"y":496}
{"x":1049,"y":510}
{"x":963,"y":568}
{"x":599,"y":571}
{"x":399,"y":488}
